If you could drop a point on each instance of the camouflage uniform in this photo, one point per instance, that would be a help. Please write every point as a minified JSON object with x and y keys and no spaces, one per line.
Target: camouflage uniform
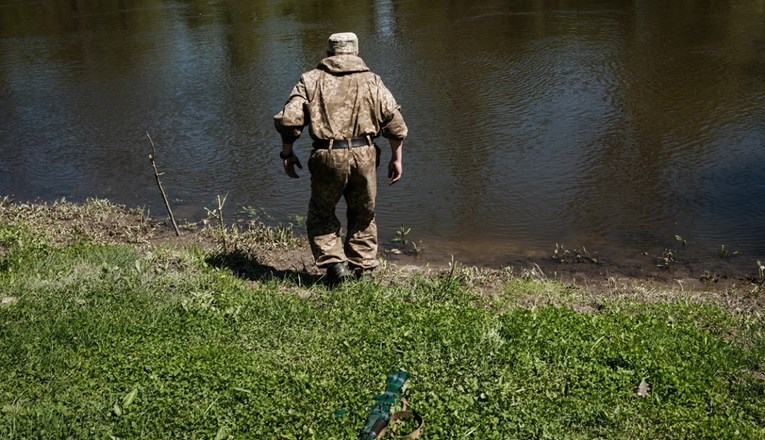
{"x":341,"y":100}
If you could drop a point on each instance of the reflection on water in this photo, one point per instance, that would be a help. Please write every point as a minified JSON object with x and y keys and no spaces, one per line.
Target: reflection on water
{"x":610,"y":125}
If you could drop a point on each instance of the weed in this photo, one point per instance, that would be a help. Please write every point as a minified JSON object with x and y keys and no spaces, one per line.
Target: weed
{"x":666,"y":260}
{"x":724,"y":253}
{"x":256,"y":229}
{"x":216,"y":215}
{"x":668,"y":257}
{"x":710,"y":277}
{"x":252,"y":212}
{"x":401,"y":233}
{"x":258,"y":214}
{"x":534,"y":273}
{"x":560,"y":254}
{"x":279,"y":235}
{"x":405,"y":244}
{"x":563,"y":255}
{"x":296,"y":220}
{"x":250,"y":234}
{"x":760,"y":280}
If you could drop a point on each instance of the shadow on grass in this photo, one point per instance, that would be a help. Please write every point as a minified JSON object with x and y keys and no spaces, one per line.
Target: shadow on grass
{"x":247,"y":267}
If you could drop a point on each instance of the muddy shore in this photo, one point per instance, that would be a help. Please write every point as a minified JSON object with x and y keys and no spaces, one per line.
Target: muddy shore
{"x":287,"y":250}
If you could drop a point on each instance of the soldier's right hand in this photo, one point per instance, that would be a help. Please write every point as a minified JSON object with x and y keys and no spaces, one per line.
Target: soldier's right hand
{"x":395,"y":170}
{"x":289,"y":166}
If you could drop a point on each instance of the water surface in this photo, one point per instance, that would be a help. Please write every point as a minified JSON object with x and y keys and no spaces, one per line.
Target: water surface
{"x":610,"y":125}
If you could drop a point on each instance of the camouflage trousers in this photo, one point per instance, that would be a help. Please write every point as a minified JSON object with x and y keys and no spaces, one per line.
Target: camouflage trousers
{"x":350,"y":173}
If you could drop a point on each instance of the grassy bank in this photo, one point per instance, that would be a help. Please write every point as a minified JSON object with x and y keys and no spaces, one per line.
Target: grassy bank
{"x":110,"y":334}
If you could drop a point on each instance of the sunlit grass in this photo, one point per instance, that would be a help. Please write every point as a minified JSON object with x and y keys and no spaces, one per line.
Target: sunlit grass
{"x":108,"y":340}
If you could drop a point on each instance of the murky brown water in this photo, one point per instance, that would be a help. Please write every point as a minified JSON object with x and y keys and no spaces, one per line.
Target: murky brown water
{"x":614,"y":125}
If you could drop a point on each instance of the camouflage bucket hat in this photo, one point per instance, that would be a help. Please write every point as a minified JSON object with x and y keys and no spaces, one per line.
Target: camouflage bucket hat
{"x":344,"y":42}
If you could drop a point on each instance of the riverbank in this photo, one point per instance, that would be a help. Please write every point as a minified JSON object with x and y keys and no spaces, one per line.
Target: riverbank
{"x":257,"y":252}
{"x":283,"y":249}
{"x":112,"y":326}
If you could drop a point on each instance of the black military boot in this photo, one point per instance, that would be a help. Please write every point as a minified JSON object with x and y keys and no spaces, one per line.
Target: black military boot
{"x":336,"y":274}
{"x":359,"y":273}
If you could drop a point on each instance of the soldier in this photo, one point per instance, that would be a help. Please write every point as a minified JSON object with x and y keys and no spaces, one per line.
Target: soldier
{"x":346,"y":107}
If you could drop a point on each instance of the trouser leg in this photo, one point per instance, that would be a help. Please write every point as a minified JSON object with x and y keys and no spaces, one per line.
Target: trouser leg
{"x":328,"y":179}
{"x":360,"y":193}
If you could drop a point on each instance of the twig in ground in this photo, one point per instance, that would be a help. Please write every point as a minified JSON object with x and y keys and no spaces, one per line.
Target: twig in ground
{"x":152,"y":156}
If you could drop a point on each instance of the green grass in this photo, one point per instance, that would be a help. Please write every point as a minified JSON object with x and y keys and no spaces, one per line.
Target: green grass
{"x":104,"y":340}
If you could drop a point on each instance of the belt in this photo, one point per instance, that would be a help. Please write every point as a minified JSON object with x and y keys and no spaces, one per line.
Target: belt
{"x":343,"y":143}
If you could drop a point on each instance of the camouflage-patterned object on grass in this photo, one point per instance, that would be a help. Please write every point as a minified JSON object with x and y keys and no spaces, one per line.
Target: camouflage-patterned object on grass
{"x":380,"y":414}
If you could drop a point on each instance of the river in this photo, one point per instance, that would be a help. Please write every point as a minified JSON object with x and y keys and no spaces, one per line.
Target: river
{"x":623,"y":128}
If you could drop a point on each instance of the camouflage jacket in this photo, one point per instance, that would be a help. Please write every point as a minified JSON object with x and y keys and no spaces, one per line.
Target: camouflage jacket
{"x":340,"y":99}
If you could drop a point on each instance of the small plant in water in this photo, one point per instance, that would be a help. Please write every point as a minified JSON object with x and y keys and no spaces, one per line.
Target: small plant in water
{"x":666,"y":259}
{"x":710,"y":277}
{"x":401,"y":233}
{"x":560,"y":253}
{"x":297,"y":220}
{"x":406,"y":245}
{"x":563,"y":255}
{"x":251,"y":212}
{"x":724,"y":253}
{"x":761,"y":268}
{"x":258,"y":214}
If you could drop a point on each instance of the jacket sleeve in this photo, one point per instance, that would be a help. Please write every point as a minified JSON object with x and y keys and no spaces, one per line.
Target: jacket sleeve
{"x":392,"y":125}
{"x":290,"y":121}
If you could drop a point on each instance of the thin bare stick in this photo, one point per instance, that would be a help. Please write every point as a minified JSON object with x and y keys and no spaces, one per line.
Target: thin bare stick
{"x":222,"y":225}
{"x":159,"y":184}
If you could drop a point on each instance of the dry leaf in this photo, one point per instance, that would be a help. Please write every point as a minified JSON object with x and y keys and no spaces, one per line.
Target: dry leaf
{"x":7,"y":299}
{"x":643,"y":389}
